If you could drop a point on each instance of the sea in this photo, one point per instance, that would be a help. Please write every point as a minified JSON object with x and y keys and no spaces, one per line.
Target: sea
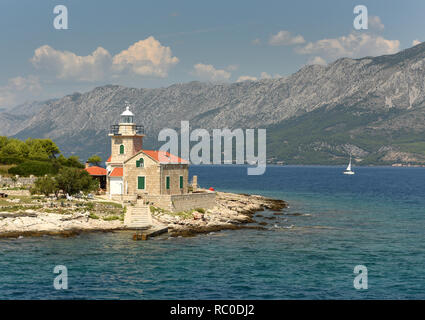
{"x":373,"y":221}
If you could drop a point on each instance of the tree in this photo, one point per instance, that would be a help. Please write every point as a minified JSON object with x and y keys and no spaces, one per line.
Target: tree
{"x":45,"y":185}
{"x":74,"y":180}
{"x":95,"y":159}
{"x":74,"y":161}
{"x":42,"y":148}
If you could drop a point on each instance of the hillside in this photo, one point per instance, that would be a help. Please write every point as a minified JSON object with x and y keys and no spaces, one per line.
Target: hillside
{"x":373,"y":107}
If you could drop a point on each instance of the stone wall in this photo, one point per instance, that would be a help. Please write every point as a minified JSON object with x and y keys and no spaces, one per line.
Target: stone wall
{"x":16,"y":192}
{"x":174,"y":171}
{"x":17,"y":181}
{"x":183,"y":202}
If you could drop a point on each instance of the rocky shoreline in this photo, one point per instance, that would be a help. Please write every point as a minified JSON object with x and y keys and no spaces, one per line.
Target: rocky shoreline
{"x":233,"y":211}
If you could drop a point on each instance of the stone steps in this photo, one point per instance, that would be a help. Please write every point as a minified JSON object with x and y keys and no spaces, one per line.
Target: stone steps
{"x":138,"y":216}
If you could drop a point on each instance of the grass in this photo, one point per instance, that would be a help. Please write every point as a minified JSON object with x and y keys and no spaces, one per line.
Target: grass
{"x":16,"y":208}
{"x":111,"y":218}
{"x":93,"y":216}
{"x":112,"y":204}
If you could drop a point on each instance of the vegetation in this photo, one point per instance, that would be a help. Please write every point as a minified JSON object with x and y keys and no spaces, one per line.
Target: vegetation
{"x":69,"y":180}
{"x":74,"y":180}
{"x":33,"y":157}
{"x":95,"y":160}
{"x":45,"y":185}
{"x":319,"y":137}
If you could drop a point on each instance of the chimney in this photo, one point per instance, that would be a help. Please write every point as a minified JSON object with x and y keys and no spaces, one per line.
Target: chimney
{"x":87,"y":164}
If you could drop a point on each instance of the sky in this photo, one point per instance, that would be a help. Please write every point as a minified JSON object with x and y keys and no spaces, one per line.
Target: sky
{"x":151,"y":44}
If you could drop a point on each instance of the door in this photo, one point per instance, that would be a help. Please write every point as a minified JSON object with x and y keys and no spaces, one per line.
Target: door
{"x":116,"y":186}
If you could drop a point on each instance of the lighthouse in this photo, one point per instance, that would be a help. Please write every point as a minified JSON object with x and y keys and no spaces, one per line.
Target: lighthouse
{"x":126,"y":137}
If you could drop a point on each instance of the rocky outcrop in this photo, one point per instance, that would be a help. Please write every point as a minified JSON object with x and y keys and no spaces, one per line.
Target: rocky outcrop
{"x":32,"y":222}
{"x":232,"y":212}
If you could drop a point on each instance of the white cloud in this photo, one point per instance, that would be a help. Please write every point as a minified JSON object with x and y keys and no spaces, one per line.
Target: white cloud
{"x":145,"y":57}
{"x":246,"y":78}
{"x":284,"y":37}
{"x":68,"y":65}
{"x":256,"y":42}
{"x":263,"y":75}
{"x":375,"y":23}
{"x":317,"y":60}
{"x":355,"y":45}
{"x":415,"y":42}
{"x":19,"y":90}
{"x":208,"y":72}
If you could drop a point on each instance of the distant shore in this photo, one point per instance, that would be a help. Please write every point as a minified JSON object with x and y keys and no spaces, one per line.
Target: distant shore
{"x":233,"y":211}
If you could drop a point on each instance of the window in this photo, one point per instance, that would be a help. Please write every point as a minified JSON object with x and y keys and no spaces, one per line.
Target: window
{"x":141,"y":183}
{"x":122,"y":149}
{"x":181,"y":182}
{"x":167,"y":182}
{"x":140,"y":163}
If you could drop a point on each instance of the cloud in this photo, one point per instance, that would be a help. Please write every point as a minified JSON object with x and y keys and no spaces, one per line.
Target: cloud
{"x":284,"y":37}
{"x":263,"y":75}
{"x":415,"y":42}
{"x":317,"y":60}
{"x":246,"y":78}
{"x":208,"y":72}
{"x":19,"y":90}
{"x":145,"y":58}
{"x":68,"y":65}
{"x":256,"y":42}
{"x":355,"y":45}
{"x":374,"y":23}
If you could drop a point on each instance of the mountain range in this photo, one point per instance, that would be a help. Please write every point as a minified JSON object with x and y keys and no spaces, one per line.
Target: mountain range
{"x":372,"y":108}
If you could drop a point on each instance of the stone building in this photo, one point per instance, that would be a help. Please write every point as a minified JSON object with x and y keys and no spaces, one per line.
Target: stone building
{"x":156,"y":177}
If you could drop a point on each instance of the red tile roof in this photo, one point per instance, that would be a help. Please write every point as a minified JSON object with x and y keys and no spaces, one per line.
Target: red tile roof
{"x":117,"y":172}
{"x":96,"y":171}
{"x":164,"y":157}
{"x":161,"y":156}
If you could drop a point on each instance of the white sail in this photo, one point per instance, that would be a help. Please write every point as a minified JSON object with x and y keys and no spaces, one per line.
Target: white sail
{"x":349,"y":166}
{"x":348,"y":170}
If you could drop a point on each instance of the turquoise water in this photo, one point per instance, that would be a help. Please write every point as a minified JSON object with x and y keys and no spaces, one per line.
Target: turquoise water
{"x":335,"y":222}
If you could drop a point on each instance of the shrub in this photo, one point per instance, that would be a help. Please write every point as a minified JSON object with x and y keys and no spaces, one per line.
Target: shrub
{"x":34,"y":167}
{"x":45,"y":185}
{"x":74,"y":180}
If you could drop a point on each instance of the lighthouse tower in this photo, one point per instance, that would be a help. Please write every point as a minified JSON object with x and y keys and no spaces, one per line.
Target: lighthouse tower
{"x":126,"y":138}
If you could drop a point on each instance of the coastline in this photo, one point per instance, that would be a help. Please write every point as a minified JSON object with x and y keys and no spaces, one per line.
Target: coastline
{"x":233,"y":212}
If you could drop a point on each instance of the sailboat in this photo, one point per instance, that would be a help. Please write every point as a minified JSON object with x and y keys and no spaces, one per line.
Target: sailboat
{"x":348,"y":170}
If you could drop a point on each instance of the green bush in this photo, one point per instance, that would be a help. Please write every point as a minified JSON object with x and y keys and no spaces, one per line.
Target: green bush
{"x":11,"y":159}
{"x":45,"y":185}
{"x":34,"y":167}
